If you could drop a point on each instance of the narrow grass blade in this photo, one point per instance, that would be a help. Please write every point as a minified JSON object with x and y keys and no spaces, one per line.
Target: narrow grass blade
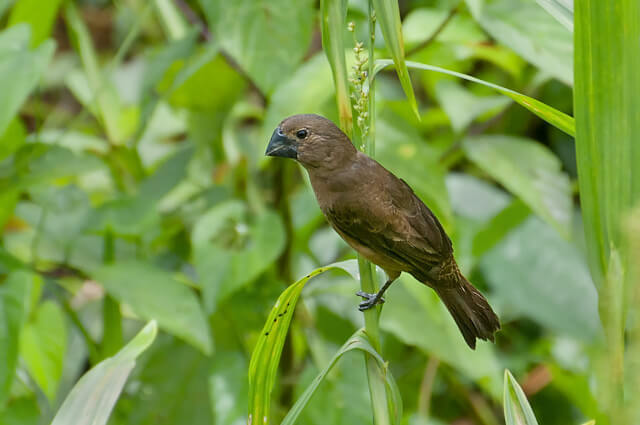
{"x":103,"y":93}
{"x":554,"y":117}
{"x":517,"y":410}
{"x":388,"y":15}
{"x":561,"y":10}
{"x":266,"y":354}
{"x":358,"y":341}
{"x":172,"y":19}
{"x":91,"y":400}
{"x":333,"y":17}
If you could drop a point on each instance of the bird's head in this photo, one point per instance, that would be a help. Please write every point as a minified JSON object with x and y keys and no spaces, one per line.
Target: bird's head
{"x":312,"y":140}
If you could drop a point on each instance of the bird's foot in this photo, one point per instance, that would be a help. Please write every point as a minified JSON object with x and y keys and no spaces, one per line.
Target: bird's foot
{"x":369,"y":300}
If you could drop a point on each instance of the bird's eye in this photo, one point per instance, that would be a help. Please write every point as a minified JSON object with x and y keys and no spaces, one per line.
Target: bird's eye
{"x":301,"y":134}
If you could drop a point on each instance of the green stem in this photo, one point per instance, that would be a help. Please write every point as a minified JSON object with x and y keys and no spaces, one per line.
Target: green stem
{"x":375,"y":375}
{"x":111,"y":316}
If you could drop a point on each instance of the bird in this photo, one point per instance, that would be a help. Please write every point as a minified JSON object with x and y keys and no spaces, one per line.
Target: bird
{"x":380,"y":217}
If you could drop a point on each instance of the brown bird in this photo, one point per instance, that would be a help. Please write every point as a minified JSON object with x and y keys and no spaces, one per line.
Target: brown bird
{"x":380,"y":217}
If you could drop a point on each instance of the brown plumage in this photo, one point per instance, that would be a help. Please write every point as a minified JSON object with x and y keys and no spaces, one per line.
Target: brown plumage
{"x":378,"y":215}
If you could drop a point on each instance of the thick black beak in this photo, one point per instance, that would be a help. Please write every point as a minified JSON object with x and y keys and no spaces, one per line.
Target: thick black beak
{"x":281,"y":145}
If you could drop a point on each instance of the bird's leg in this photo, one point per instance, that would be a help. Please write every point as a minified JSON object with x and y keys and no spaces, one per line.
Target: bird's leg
{"x":372,"y":299}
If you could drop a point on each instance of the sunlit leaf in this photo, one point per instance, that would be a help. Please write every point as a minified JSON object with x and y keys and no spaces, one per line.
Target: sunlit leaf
{"x":43,"y":344}
{"x":20,"y":69}
{"x":39,"y":15}
{"x":91,"y":400}
{"x":517,"y":410}
{"x":562,"y":10}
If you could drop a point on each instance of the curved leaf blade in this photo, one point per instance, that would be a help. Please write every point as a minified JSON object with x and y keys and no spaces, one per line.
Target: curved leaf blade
{"x":556,"y":118}
{"x":266,"y":354}
{"x":358,"y":341}
{"x":561,"y":10}
{"x":388,"y":15}
{"x":517,"y":410}
{"x":91,"y":400}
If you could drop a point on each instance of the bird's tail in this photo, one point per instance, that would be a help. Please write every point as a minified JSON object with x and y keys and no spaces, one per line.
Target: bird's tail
{"x":468,"y":306}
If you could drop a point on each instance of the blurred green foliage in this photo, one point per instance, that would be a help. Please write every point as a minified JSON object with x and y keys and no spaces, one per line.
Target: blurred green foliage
{"x":133,"y":187}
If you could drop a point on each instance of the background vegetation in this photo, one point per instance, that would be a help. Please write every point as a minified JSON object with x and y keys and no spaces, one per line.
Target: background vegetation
{"x":133,"y":188}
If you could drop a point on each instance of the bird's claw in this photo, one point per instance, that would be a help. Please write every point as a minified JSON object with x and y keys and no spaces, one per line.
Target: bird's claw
{"x":369,"y":300}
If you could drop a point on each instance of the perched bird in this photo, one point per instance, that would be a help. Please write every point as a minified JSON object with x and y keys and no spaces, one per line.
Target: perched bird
{"x":380,"y":217}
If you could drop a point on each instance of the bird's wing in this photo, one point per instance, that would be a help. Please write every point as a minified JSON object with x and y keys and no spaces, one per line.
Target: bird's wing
{"x":394,"y":223}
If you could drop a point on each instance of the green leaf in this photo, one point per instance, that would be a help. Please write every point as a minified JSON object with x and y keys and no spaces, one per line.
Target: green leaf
{"x":266,"y":354}
{"x":607,"y":154}
{"x":154,"y":294}
{"x":103,"y":99}
{"x":388,"y":16}
{"x":462,"y":106}
{"x":410,"y":302}
{"x":531,"y":32}
{"x":528,"y":170}
{"x":176,"y":378}
{"x":43,"y":344}
{"x":222,"y":269}
{"x":333,"y":15}
{"x":517,"y":410}
{"x":39,"y":15}
{"x":536,"y":273}
{"x":91,"y":400}
{"x":561,"y":10}
{"x":20,"y":69}
{"x":268,"y":39}
{"x":359,"y":341}
{"x":14,"y":296}
{"x":313,"y":87}
{"x":228,"y":382}
{"x":554,"y":117}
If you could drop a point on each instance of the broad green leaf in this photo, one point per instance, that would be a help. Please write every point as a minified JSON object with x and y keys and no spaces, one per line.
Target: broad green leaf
{"x":20,"y":69}
{"x":537,"y":274}
{"x":333,"y":15}
{"x":420,"y":23}
{"x":91,"y":400}
{"x":39,"y":15}
{"x":267,"y":39}
{"x":134,"y":215}
{"x":462,"y":106}
{"x":531,"y":32}
{"x":266,"y":354}
{"x":499,"y":226}
{"x":388,"y":16}
{"x":14,"y":292}
{"x":176,"y":378}
{"x":154,"y":294}
{"x":517,"y":410}
{"x":43,"y":344}
{"x":312,"y":86}
{"x":561,"y":10}
{"x":23,"y":411}
{"x":359,"y":341}
{"x":228,"y":388}
{"x":554,"y":117}
{"x":410,"y":302}
{"x":225,"y":269}
{"x":13,"y":137}
{"x":529,"y":171}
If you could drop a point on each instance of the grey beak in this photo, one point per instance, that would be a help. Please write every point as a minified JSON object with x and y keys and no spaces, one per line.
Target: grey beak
{"x":281,"y":145}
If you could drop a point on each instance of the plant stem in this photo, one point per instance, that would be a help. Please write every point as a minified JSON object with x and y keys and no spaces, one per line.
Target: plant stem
{"x":377,"y":389}
{"x":111,"y":316}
